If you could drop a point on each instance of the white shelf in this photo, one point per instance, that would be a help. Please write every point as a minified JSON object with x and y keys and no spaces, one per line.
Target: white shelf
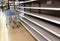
{"x":45,"y":25}
{"x":26,"y":1}
{"x":48,"y":36}
{"x":34,"y":33}
{"x":45,"y":17}
{"x":44,"y":8}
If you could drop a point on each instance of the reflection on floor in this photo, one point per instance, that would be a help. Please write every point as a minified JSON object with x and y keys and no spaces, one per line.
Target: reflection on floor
{"x":0,"y":30}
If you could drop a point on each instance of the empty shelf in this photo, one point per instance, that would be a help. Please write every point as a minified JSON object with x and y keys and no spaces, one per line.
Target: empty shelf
{"x":34,"y":33}
{"x":45,"y":25}
{"x":45,"y":17}
{"x":42,"y":32}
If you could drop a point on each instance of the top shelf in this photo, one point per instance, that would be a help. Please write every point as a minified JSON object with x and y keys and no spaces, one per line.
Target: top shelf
{"x":33,"y":1}
{"x":44,"y":8}
{"x":23,"y":2}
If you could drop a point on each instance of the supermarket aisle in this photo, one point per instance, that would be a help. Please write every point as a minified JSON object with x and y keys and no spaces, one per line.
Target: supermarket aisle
{"x":18,"y":34}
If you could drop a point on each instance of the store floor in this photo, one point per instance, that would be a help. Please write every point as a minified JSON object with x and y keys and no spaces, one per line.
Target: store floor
{"x":0,"y":30}
{"x":20,"y":34}
{"x":16,"y":34}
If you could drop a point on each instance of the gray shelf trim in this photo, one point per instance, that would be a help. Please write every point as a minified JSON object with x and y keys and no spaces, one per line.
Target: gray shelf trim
{"x":48,"y":36}
{"x":33,"y":33}
{"x":53,"y":29}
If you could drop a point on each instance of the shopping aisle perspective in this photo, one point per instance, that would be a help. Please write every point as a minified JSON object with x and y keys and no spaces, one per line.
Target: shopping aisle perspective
{"x":30,"y":20}
{"x":9,"y":34}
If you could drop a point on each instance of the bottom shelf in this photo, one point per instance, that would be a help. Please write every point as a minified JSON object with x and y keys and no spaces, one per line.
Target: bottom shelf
{"x":33,"y":32}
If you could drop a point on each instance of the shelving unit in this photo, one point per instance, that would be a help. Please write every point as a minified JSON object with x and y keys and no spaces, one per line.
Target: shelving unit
{"x":42,"y":26}
{"x":44,"y":17}
{"x":22,"y":2}
{"x":33,"y":32}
